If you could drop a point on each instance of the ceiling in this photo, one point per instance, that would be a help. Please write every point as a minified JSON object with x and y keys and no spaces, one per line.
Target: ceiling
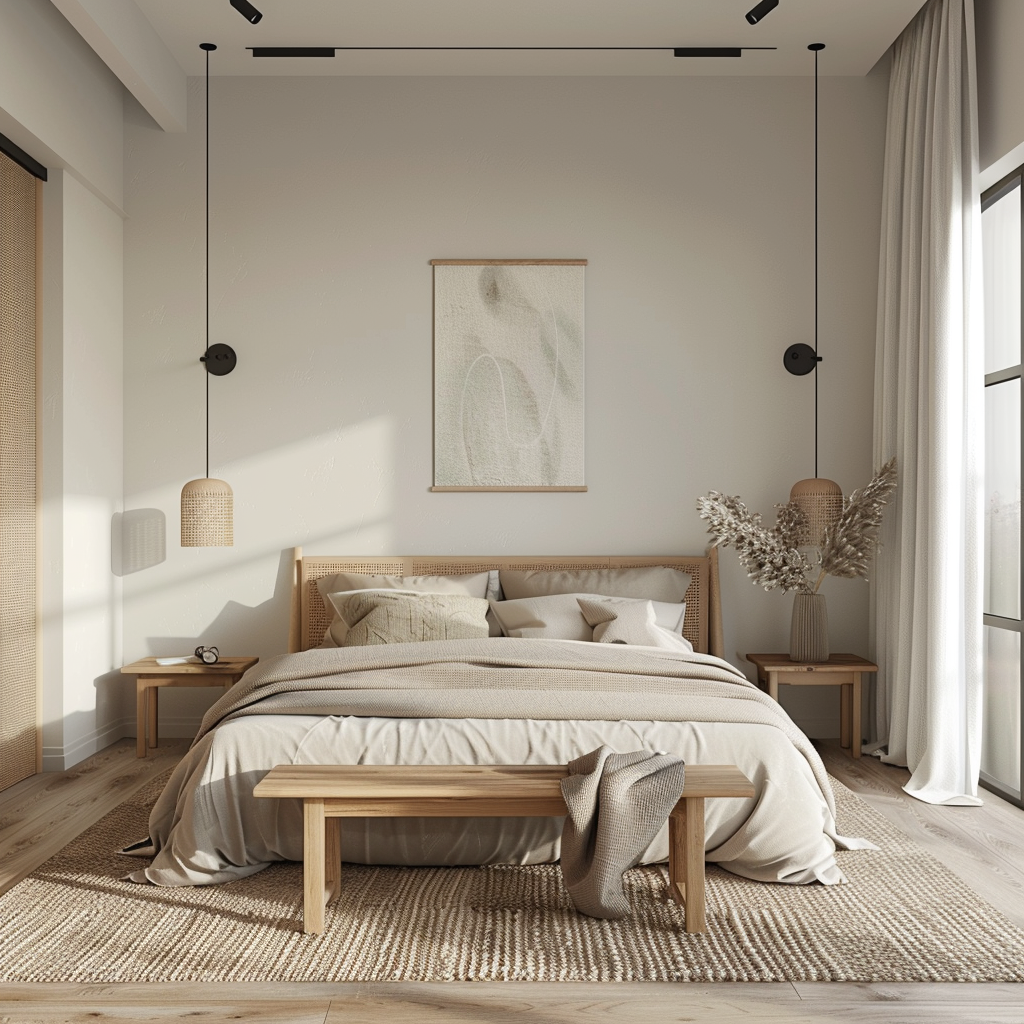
{"x":856,"y":33}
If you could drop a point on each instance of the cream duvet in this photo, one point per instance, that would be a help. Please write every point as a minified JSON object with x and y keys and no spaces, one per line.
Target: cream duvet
{"x":489,"y":701}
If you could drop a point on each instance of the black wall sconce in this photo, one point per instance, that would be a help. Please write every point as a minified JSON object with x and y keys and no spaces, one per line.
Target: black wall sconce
{"x":798,"y":359}
{"x":219,"y":359}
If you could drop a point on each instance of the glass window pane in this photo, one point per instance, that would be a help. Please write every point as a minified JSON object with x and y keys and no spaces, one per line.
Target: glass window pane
{"x":1000,"y":227}
{"x":1000,"y":744}
{"x":1002,"y":499}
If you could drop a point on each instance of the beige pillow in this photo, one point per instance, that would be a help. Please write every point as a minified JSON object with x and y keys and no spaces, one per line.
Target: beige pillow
{"x":648,"y":583}
{"x":402,"y":617}
{"x":558,"y":616}
{"x":617,"y":621}
{"x":477,"y":584}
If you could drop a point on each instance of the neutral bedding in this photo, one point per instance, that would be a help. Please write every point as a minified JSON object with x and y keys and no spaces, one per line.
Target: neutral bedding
{"x":496,"y":700}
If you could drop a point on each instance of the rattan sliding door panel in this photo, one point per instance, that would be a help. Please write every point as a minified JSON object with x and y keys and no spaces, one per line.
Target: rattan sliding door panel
{"x":18,"y":717}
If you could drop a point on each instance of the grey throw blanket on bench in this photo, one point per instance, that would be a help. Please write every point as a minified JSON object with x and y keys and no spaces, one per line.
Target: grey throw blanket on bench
{"x":617,"y":805}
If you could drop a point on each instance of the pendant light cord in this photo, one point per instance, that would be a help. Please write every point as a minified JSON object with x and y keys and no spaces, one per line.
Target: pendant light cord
{"x":206,"y":353}
{"x":816,"y":364}
{"x":815,"y":260}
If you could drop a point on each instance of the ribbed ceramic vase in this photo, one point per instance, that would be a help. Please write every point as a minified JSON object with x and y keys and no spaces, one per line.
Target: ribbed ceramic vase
{"x":808,"y":637}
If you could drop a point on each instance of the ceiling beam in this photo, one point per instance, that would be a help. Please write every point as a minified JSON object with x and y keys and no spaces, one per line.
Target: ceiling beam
{"x":126,"y":42}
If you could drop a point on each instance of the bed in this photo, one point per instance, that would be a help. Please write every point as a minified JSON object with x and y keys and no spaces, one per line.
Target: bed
{"x":521,"y":698}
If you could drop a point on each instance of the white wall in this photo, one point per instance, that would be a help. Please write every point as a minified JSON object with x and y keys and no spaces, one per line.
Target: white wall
{"x":58,"y":100}
{"x":999,"y":31}
{"x":61,"y":104}
{"x":690,"y":197}
{"x":84,"y":706}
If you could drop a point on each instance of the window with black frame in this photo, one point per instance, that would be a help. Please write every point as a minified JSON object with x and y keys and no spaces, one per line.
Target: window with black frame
{"x":1001,"y":765}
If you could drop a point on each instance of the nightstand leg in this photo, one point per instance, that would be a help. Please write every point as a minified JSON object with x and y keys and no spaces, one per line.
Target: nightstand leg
{"x":855,"y":717}
{"x":773,"y":686}
{"x":141,"y":694}
{"x":845,"y":694}
{"x":154,"y":710}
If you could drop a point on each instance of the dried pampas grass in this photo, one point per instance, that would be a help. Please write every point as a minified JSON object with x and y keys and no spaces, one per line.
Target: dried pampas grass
{"x":773,"y":558}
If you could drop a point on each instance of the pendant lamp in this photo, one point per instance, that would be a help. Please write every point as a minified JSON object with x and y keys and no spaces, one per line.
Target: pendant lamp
{"x":207,"y":513}
{"x":820,"y":500}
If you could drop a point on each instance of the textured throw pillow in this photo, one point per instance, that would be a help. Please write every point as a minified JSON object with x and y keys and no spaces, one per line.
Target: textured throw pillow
{"x":647,"y":583}
{"x":558,"y":616}
{"x":629,"y":622}
{"x":477,"y":584}
{"x":553,"y":617}
{"x":402,"y":617}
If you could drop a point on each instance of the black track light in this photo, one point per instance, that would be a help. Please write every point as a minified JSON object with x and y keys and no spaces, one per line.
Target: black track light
{"x":763,"y":8}
{"x":247,"y":11}
{"x":707,"y":51}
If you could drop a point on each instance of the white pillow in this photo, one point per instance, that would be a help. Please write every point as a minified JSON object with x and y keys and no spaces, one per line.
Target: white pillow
{"x":558,"y":616}
{"x":478,"y":584}
{"x":617,"y":621}
{"x":645,"y":583}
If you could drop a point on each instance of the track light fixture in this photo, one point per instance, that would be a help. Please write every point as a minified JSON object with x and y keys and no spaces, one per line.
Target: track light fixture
{"x":763,"y":8}
{"x":247,"y":11}
{"x":708,"y":51}
{"x":329,"y":51}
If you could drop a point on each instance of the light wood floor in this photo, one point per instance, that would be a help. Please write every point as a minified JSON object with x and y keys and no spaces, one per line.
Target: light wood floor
{"x":984,"y":846}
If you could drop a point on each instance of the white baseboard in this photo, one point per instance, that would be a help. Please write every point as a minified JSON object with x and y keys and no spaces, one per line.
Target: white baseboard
{"x":60,"y":759}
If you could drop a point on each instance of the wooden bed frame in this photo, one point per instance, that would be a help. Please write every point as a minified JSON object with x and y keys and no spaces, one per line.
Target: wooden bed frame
{"x":702,"y":624}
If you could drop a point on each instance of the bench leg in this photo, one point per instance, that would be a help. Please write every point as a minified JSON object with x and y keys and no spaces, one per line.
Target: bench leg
{"x":332,"y":867}
{"x":686,"y":860}
{"x":313,"y":863}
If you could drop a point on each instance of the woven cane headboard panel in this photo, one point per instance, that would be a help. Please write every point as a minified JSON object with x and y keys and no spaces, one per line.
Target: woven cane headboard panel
{"x":701,"y":624}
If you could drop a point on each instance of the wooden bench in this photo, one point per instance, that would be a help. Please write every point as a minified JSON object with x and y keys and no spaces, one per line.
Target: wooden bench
{"x":332,"y":792}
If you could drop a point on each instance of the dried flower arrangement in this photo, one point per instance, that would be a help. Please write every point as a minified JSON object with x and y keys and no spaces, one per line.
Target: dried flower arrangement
{"x":773,"y":559}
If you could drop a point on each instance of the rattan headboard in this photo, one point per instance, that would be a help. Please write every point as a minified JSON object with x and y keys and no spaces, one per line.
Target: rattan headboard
{"x":702,"y":625}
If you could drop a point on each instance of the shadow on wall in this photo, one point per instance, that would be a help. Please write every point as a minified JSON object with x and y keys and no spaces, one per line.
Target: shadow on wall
{"x":138,"y":540}
{"x":232,"y":630}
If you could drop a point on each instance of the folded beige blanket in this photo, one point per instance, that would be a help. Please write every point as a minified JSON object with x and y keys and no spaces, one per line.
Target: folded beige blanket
{"x":618,"y":803}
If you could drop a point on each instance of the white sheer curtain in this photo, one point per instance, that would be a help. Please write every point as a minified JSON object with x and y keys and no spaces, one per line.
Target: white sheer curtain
{"x":927,"y":598}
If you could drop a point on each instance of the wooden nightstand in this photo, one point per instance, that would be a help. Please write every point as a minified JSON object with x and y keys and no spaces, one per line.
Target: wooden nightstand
{"x":845,"y":670}
{"x":150,"y":677}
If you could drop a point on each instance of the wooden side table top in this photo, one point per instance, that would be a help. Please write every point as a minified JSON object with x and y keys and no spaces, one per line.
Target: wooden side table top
{"x":150,"y":677}
{"x":835,"y":663}
{"x":227,"y":666}
{"x":842,"y":670}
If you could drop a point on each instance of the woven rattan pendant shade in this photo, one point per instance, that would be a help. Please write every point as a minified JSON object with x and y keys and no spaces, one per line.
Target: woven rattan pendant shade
{"x":821,"y":502}
{"x":207,"y":514}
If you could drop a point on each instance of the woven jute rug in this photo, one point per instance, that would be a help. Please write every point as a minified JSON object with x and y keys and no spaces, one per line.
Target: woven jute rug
{"x":902,"y":917}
